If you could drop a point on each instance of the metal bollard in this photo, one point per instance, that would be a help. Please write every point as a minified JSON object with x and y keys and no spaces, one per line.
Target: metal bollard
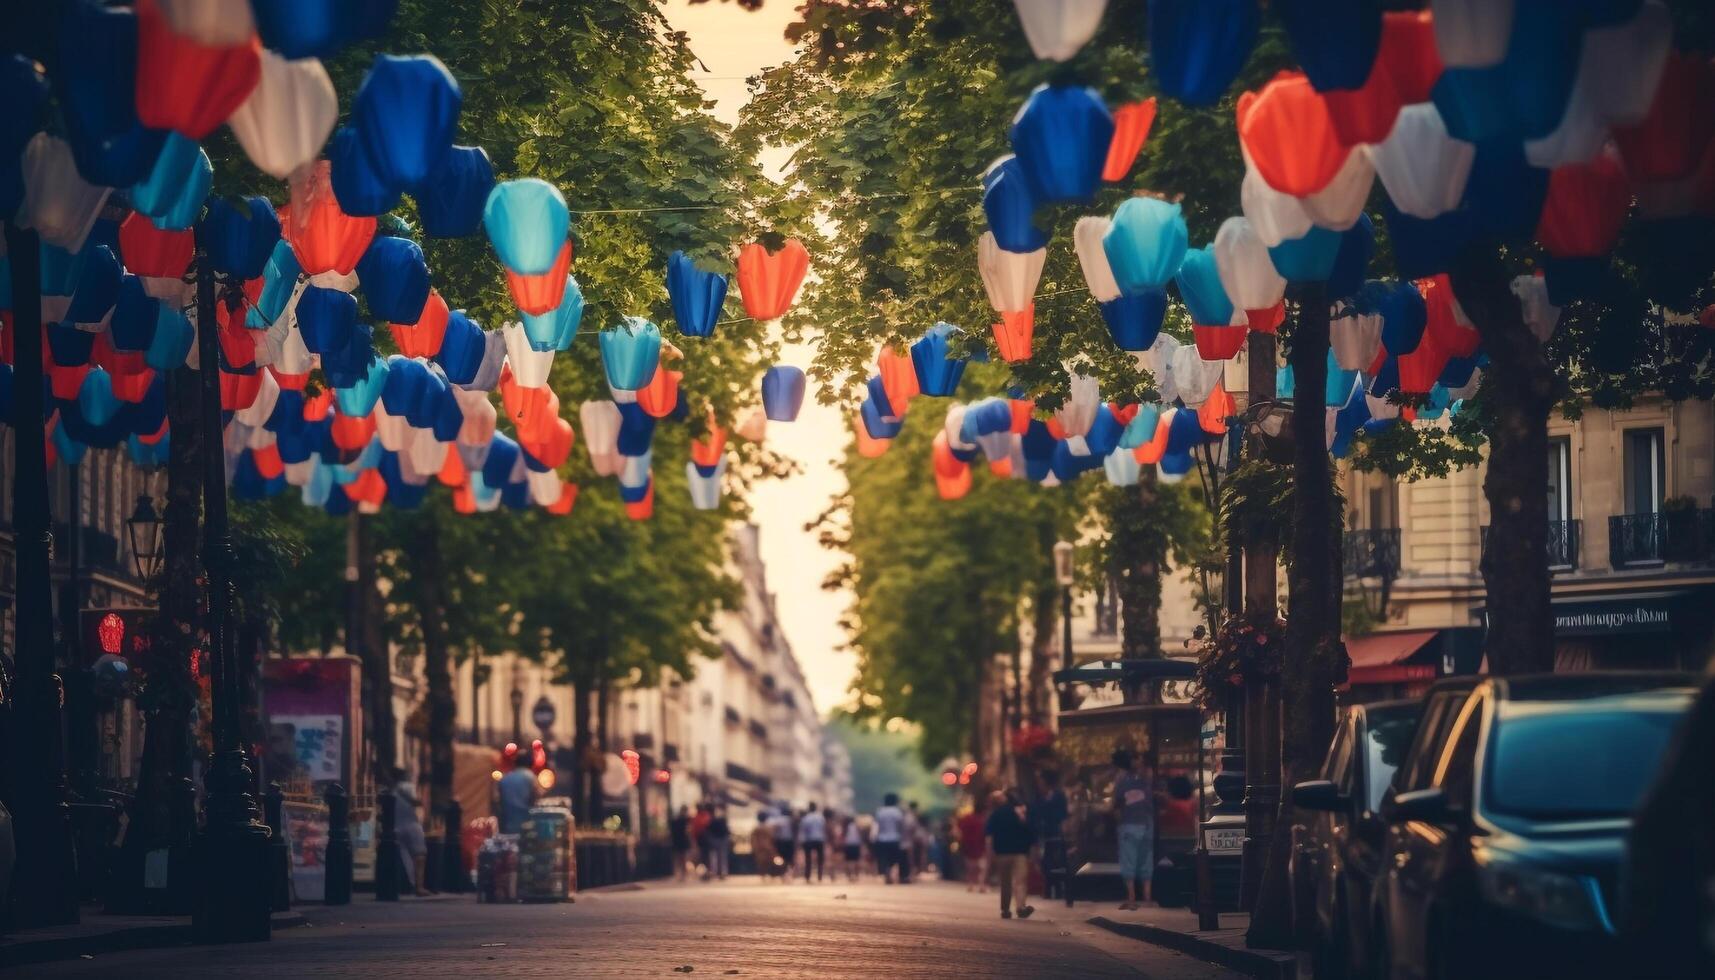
{"x":337,"y":859}
{"x":279,"y":851}
{"x":387,"y":870}
{"x":454,"y":878}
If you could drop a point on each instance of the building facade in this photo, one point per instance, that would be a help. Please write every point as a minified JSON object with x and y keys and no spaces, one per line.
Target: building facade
{"x":1631,"y":542}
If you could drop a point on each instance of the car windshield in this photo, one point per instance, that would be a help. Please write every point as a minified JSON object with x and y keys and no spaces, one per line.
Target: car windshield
{"x":1574,"y":761}
{"x":1388,"y":738}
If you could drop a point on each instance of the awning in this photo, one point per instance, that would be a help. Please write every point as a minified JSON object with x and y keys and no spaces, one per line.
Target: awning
{"x":1380,"y":658}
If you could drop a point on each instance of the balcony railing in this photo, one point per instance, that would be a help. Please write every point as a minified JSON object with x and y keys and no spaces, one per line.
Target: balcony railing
{"x":1666,"y":536}
{"x":1372,"y":553}
{"x":1564,"y":540}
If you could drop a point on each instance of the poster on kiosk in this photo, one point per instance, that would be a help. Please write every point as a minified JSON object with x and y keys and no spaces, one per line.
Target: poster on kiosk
{"x":311,"y":720}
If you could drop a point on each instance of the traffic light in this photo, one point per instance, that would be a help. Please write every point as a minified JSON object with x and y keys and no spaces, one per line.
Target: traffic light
{"x":115,"y":632}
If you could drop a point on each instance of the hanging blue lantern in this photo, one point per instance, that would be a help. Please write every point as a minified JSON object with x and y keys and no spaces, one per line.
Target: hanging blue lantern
{"x":173,"y":192}
{"x":1200,"y":287}
{"x":24,"y":92}
{"x":1425,"y":247}
{"x":97,"y":285}
{"x":1386,"y":379}
{"x":1061,"y":138}
{"x":1146,"y":244}
{"x":1309,"y":258}
{"x":448,"y":415}
{"x":97,"y":97}
{"x":288,"y":413}
{"x":1404,"y":318}
{"x":1066,"y":465}
{"x":319,"y":28}
{"x":636,"y":429}
{"x":172,"y":341}
{"x":149,"y":456}
{"x":1457,"y":373}
{"x":937,"y":374}
{"x":402,"y":494}
{"x":1504,"y":193}
{"x":463,"y":348}
{"x":326,"y":318}
{"x":395,"y":278}
{"x":1141,"y":429}
{"x":985,"y":417}
{"x":1197,"y":47}
{"x":878,"y":397}
{"x":527,"y":222}
{"x":337,"y":504}
{"x":636,"y":495}
{"x":502,"y":459}
{"x":240,"y":235}
{"x":1038,"y":446}
{"x":406,"y":111}
{"x":1524,"y":96}
{"x":630,"y":353}
{"x":1347,"y":422}
{"x":1135,"y":320}
{"x":68,"y":346}
{"x":634,"y":472}
{"x":697,"y":295}
{"x":557,"y":328}
{"x":783,"y":392}
{"x":1435,"y":405}
{"x":279,"y":280}
{"x":1352,"y":261}
{"x":1177,"y":464}
{"x":1186,"y":432}
{"x":148,"y":414}
{"x":1335,"y":41}
{"x":451,"y":202}
{"x":1340,"y":386}
{"x":60,"y":271}
{"x":95,"y":399}
{"x":1010,"y":207}
{"x":248,"y":483}
{"x":346,"y":366}
{"x":408,"y":391}
{"x":358,"y":187}
{"x":134,"y":316}
{"x":1104,"y":434}
{"x":1285,"y":382}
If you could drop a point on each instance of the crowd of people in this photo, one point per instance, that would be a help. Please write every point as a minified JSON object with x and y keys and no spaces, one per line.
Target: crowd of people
{"x":1000,"y":838}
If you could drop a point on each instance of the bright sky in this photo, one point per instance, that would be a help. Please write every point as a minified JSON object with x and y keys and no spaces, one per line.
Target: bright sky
{"x":734,"y":43}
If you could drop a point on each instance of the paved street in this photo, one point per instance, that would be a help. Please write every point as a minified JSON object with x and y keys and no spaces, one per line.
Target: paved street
{"x":740,"y":928}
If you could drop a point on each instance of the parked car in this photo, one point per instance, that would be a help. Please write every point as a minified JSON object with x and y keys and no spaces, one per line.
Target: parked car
{"x":1337,"y":852}
{"x":1505,"y":862}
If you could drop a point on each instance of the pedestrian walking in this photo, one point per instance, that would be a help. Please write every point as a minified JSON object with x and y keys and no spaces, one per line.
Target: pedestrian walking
{"x":1009,"y":840}
{"x":908,"y":828}
{"x":1133,"y":802}
{"x":813,"y":835}
{"x":762,"y":847}
{"x":413,"y":843}
{"x":679,"y":829}
{"x":1048,"y":817}
{"x":973,"y":846}
{"x":700,"y":835}
{"x":852,"y":842}
{"x":517,"y":791}
{"x":889,"y":826}
{"x":719,"y":848}
{"x":782,"y":826}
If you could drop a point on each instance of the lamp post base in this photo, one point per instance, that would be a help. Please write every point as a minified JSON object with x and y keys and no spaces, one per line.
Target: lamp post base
{"x":233,"y":859}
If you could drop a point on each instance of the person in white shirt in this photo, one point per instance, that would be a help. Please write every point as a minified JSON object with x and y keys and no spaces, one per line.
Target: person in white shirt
{"x":813,"y":838}
{"x":889,"y":824}
{"x":785,"y":840}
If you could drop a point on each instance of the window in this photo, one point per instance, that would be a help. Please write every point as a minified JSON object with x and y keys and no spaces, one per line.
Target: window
{"x":1381,"y":500}
{"x":1559,"y":480}
{"x":1646,"y":471}
{"x":1335,"y":767}
{"x":1454,"y":774}
{"x":1420,"y":763}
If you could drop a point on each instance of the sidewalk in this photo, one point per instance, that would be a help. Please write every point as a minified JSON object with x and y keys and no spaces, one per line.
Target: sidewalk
{"x":1176,"y":929}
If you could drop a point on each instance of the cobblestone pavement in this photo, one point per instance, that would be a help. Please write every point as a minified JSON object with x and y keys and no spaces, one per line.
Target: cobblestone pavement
{"x":736,"y":928}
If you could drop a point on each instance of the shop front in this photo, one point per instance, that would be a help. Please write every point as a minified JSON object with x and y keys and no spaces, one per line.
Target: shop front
{"x":1666,"y":629}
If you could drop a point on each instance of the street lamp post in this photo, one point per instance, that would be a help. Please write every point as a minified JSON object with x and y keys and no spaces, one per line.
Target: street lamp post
{"x":143,"y":528}
{"x":517,"y":698}
{"x":1063,"y":575}
{"x":233,"y":903}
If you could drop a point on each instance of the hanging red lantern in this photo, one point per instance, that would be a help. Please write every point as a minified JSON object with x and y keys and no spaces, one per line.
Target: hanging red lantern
{"x":269,"y":465}
{"x":551,"y":446}
{"x":1453,"y":337}
{"x":1420,"y":369}
{"x":1585,"y":207}
{"x":1267,"y":319}
{"x":322,"y":236}
{"x":1219,"y":343}
{"x":568,"y":497}
{"x":369,"y":488}
{"x":1669,"y":143}
{"x":707,"y":452}
{"x":155,"y":253}
{"x":769,"y":281}
{"x":868,"y":446}
{"x":289,"y":382}
{"x":661,"y":394}
{"x":1405,"y":70}
{"x":1151,"y":452}
{"x":1022,"y":410}
{"x":1012,"y":335}
{"x":423,"y":338}
{"x":1132,"y":123}
{"x":1290,"y":136}
{"x":238,"y":391}
{"x":532,"y":410}
{"x":643,"y":509}
{"x":317,"y":406}
{"x":541,"y":293}
{"x":186,"y":86}
{"x":898,"y":379}
{"x":453,"y":472}
{"x":1212,"y":415}
{"x":352,"y":432}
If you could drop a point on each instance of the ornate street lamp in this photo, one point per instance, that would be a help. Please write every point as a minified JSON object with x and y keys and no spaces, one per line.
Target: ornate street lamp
{"x":1063,"y":553}
{"x":144,"y":528}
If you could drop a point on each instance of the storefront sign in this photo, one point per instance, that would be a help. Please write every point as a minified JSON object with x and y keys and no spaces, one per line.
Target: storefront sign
{"x":1641,"y":615}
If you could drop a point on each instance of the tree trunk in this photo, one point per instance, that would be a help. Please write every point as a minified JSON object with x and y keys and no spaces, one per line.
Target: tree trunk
{"x":1140,"y":555}
{"x":437,"y":664}
{"x":1520,"y":635}
{"x":1315,"y":659}
{"x":371,"y":650}
{"x":587,"y":784}
{"x":1262,"y":556}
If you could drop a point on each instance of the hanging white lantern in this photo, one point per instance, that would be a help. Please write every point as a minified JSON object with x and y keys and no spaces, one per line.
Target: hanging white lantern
{"x":425,"y":454}
{"x":394,"y":431}
{"x":954,"y":426}
{"x":258,"y":411}
{"x":1079,"y":412}
{"x":544,"y":487}
{"x":1122,"y":467}
{"x":1330,"y":427}
{"x":1247,"y":273}
{"x":1625,"y":62}
{"x":1087,"y":237}
{"x":1010,"y":278}
{"x":1158,"y":361}
{"x":214,"y":23}
{"x":530,"y":367}
{"x":601,"y":420}
{"x":1541,"y":316}
{"x":1355,"y":338}
{"x":1338,"y":205}
{"x":1276,"y":217}
{"x":635,"y":471}
{"x":285,"y":122}
{"x":479,"y":419}
{"x":1166,"y":478}
{"x":58,"y":203}
{"x":754,"y":426}
{"x":300,"y":474}
{"x":344,"y":282}
{"x":1380,"y":407}
{"x":1423,"y":168}
{"x":1472,"y":33}
{"x":705,"y":490}
{"x":494,"y":355}
{"x":1195,"y":377}
{"x":1058,"y":29}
